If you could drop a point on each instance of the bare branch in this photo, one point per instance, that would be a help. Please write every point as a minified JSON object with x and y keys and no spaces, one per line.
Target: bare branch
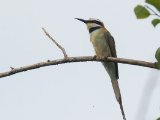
{"x":77,"y":59}
{"x":58,"y":45}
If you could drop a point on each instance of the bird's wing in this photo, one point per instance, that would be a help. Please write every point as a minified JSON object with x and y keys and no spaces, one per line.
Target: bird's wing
{"x":111,"y":43}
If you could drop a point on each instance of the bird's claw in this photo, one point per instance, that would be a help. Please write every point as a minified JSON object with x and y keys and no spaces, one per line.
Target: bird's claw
{"x":95,"y":56}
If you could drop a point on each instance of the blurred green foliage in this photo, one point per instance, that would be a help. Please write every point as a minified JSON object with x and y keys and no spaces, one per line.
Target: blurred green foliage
{"x":152,"y":7}
{"x":143,"y":12}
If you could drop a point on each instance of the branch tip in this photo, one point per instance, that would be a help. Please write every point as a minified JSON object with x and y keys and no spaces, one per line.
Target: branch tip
{"x":56,"y":43}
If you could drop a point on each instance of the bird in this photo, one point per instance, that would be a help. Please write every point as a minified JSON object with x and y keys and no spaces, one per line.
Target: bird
{"x":104,"y":46}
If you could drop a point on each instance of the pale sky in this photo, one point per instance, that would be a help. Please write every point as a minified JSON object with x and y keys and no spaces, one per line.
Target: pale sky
{"x":76,"y":91}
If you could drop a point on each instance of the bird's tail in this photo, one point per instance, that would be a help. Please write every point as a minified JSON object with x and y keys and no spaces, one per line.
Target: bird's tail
{"x":117,"y":93}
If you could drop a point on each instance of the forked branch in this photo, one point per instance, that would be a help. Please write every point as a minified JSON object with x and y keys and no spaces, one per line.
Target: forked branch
{"x":67,"y":59}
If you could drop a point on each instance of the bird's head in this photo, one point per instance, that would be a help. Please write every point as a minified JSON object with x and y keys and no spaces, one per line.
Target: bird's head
{"x":91,"y":23}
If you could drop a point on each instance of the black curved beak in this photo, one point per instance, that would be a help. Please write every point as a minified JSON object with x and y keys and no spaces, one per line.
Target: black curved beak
{"x":81,"y":20}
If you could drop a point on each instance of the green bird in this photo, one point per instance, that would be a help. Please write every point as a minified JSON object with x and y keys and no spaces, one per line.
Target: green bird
{"x":104,"y":46}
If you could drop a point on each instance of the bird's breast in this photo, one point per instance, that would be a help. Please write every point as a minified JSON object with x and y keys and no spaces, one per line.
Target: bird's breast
{"x":100,"y":44}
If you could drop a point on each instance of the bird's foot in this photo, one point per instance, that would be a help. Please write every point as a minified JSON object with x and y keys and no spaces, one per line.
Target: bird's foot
{"x":95,"y":56}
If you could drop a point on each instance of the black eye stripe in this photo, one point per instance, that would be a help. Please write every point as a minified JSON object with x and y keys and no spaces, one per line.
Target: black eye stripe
{"x":94,"y":21}
{"x":93,"y":29}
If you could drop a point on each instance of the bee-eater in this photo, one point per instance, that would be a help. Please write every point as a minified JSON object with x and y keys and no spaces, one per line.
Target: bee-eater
{"x":104,"y":46}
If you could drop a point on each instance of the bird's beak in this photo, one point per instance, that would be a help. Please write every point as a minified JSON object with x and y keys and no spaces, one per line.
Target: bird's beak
{"x":81,"y":20}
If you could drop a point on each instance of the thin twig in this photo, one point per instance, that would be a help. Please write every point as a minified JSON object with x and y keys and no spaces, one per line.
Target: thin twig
{"x":58,"y":45}
{"x":154,"y":13}
{"x":77,"y":59}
